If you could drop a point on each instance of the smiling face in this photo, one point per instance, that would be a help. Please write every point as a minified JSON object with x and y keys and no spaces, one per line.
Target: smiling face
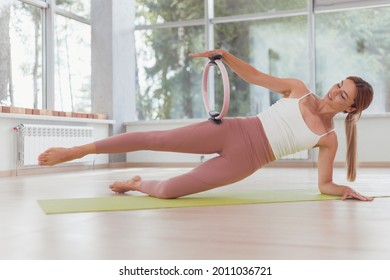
{"x":341,"y":97}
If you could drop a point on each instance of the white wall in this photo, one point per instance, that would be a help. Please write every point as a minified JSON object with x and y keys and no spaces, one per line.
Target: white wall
{"x":8,"y":135}
{"x":373,"y":141}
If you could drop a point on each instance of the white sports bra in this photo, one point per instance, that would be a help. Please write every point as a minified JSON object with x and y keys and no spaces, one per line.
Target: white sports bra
{"x":286,"y":129}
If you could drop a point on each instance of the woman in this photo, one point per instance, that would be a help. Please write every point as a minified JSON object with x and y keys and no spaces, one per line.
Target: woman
{"x":300,"y":120}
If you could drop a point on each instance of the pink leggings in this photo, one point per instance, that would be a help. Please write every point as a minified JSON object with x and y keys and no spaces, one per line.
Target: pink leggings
{"x":241,"y":144}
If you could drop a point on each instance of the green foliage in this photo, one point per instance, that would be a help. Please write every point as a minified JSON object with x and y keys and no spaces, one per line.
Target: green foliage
{"x":234,"y":7}
{"x":158,"y":11}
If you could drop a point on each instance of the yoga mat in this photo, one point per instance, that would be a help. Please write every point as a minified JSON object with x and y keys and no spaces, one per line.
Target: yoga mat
{"x":128,"y":202}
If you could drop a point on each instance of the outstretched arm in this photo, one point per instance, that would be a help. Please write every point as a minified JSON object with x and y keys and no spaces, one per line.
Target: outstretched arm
{"x":247,"y":72}
{"x":325,"y":173}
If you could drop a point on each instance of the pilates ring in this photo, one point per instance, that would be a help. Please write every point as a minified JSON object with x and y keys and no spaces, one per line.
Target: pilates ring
{"x":216,"y":116}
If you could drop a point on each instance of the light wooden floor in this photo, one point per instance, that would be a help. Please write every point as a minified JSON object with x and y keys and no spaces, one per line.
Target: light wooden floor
{"x":300,"y":230}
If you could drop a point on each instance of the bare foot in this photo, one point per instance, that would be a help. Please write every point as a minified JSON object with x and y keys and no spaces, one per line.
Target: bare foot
{"x":54,"y":156}
{"x":125,"y":186}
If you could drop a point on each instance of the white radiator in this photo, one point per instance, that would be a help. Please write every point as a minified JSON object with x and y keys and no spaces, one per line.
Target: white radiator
{"x":33,"y":139}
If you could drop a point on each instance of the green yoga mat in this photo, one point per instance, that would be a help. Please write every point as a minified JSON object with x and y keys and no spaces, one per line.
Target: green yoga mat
{"x":128,"y":202}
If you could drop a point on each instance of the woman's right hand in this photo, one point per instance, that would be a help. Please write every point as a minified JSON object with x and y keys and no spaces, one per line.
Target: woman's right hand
{"x":209,"y":53}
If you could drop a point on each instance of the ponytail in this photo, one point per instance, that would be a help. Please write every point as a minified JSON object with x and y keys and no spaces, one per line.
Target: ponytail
{"x":363,"y":99}
{"x":351,"y":133}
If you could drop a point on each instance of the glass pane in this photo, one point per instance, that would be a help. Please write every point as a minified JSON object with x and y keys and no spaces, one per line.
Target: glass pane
{"x":346,"y":45}
{"x":238,"y":7}
{"x":79,"y":7}
{"x":160,"y":11}
{"x":168,"y":81}
{"x":278,"y":47}
{"x":21,"y":66}
{"x":72,"y":66}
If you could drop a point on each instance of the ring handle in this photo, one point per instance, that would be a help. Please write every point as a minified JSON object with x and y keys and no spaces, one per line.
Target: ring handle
{"x":214,"y":115}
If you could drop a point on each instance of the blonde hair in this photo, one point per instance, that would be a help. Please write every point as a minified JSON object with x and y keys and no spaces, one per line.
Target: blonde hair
{"x":363,"y":99}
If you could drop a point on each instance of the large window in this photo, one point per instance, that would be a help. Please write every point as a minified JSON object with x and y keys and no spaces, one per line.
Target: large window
{"x":168,"y":81}
{"x":45,"y":54}
{"x":355,"y":42}
{"x":276,"y":46}
{"x":277,"y":37}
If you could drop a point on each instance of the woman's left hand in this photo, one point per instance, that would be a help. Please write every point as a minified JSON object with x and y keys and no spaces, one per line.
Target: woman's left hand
{"x":351,"y":193}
